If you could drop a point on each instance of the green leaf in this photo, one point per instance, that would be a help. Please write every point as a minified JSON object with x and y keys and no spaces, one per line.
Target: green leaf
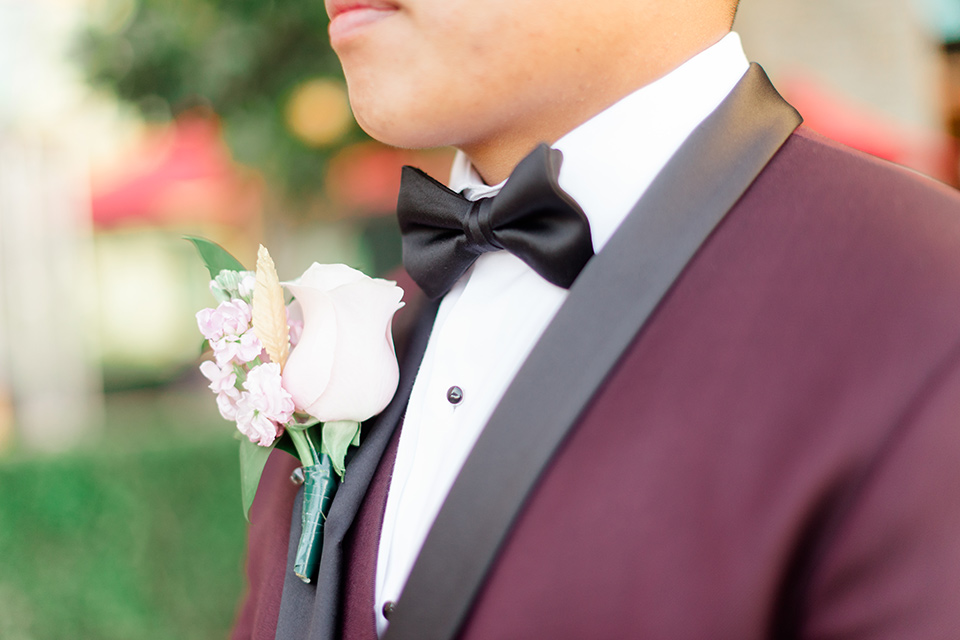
{"x":337,"y":438}
{"x":253,"y":458}
{"x":215,"y":257}
{"x":285,"y":443}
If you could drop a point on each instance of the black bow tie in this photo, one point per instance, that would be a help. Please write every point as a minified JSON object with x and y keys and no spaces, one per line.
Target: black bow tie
{"x":531,"y":217}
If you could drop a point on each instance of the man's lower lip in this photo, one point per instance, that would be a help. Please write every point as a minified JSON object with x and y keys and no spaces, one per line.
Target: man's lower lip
{"x":348,"y":23}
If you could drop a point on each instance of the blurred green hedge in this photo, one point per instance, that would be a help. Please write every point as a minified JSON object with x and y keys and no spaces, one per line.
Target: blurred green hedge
{"x":123,"y":545}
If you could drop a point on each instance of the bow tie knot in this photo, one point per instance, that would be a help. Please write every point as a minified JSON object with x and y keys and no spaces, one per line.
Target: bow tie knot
{"x":477,"y":227}
{"x":532,"y":217}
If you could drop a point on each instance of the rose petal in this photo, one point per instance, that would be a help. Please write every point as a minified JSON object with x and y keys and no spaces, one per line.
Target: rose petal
{"x":326,"y":277}
{"x":365,"y":373}
{"x":307,"y":372}
{"x":294,"y":312}
{"x":294,"y":322}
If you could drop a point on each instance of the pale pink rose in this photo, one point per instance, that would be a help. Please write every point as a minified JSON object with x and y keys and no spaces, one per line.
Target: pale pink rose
{"x":295,"y":322}
{"x":344,"y":366}
{"x":237,"y":349}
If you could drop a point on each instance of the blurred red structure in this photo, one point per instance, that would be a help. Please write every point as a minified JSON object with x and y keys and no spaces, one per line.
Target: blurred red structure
{"x":364,"y":178}
{"x":183,"y":173}
{"x":930,"y":152}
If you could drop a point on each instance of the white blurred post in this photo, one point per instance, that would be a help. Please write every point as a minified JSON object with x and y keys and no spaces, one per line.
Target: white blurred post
{"x":46,"y":296}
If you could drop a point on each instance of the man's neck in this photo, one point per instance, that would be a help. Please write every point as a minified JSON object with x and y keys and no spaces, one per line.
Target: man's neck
{"x":494,"y":157}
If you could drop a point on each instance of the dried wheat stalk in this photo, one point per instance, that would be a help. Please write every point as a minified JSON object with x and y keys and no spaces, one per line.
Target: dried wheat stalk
{"x":269,"y":312}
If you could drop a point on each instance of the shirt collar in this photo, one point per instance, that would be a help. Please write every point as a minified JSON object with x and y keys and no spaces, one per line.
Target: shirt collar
{"x":611,"y":159}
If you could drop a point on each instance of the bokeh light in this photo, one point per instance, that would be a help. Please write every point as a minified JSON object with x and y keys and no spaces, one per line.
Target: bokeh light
{"x":318,"y":112}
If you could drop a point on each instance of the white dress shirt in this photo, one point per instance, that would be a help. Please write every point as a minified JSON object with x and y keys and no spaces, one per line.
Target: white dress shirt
{"x":491,"y":319}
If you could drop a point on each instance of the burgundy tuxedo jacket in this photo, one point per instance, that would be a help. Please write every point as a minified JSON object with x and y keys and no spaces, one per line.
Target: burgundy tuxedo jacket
{"x":775,"y":455}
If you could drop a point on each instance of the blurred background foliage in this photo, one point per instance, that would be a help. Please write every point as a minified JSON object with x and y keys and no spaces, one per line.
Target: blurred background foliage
{"x":127,"y":123}
{"x":103,"y":545}
{"x":264,"y":67}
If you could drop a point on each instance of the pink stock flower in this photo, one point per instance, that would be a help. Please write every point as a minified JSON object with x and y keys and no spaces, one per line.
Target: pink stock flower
{"x":210,"y":324}
{"x":246,"y":286}
{"x":267,"y":394}
{"x":227,"y":404}
{"x":257,"y":427}
{"x":265,"y":405}
{"x":237,"y":349}
{"x":221,"y":379}
{"x":228,"y":319}
{"x":223,"y":382}
{"x":237,"y":316}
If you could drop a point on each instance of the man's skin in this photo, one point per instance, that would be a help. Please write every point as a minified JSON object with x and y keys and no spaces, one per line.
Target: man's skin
{"x":494,"y":78}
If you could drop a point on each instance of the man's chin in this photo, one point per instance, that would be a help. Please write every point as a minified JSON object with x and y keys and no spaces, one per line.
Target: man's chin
{"x":405,"y":130}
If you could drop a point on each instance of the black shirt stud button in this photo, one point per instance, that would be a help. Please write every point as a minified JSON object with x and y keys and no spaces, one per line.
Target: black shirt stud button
{"x":388,"y":608}
{"x":454,"y":395}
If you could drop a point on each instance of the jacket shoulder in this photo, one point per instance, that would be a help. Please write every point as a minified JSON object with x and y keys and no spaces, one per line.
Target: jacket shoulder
{"x":836,"y":170}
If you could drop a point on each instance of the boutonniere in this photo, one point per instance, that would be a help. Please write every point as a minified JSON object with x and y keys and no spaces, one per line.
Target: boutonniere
{"x":300,"y":375}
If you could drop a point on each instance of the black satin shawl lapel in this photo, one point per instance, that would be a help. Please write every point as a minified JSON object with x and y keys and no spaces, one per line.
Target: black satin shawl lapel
{"x":607,"y":307}
{"x":312,"y":611}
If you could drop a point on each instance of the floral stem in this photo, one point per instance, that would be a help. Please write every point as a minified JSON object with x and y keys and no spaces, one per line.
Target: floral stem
{"x":306,"y":450}
{"x":319,"y":487}
{"x":314,"y":450}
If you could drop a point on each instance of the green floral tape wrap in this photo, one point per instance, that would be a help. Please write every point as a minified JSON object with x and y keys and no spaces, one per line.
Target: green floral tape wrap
{"x":319,"y":487}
